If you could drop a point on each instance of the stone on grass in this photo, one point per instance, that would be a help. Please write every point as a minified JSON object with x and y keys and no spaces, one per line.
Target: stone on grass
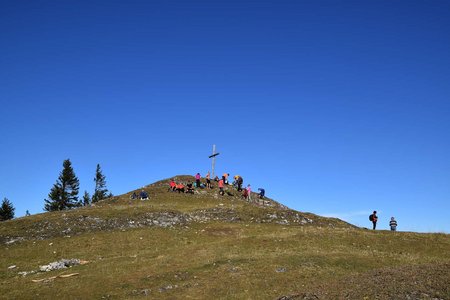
{"x":57,"y":265}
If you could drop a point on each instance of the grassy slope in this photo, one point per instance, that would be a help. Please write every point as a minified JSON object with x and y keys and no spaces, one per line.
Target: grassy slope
{"x":326,"y":259}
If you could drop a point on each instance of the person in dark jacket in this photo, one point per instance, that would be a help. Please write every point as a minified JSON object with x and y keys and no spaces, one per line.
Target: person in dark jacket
{"x":239,"y":182}
{"x":225,"y":178}
{"x":374,"y":218}
{"x":208,"y":180}
{"x":190,"y":188}
{"x":143,"y":195}
{"x":262,"y":192}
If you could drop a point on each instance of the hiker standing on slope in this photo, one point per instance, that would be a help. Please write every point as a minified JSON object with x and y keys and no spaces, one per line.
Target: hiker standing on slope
{"x":238,"y":179}
{"x":221,"y":192}
{"x":208,"y":180}
{"x":393,"y":224}
{"x":374,"y":218}
{"x":225,"y":178}
{"x":249,"y":191}
{"x":197,"y":180}
{"x":245,"y":194}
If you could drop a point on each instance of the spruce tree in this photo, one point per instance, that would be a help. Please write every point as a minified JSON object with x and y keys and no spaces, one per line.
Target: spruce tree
{"x":64,"y":193}
{"x":6,"y":210}
{"x":101,"y":192}
{"x":86,"y":199}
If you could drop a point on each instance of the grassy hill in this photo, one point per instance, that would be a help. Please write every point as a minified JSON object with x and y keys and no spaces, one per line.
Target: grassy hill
{"x":205,"y":246}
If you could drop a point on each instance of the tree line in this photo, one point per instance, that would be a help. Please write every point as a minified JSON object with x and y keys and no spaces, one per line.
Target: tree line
{"x":64,"y":193}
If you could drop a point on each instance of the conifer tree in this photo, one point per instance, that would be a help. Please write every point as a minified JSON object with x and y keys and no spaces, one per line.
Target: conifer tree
{"x":86,"y":199}
{"x":6,"y":210}
{"x":64,"y":193}
{"x":101,"y":192}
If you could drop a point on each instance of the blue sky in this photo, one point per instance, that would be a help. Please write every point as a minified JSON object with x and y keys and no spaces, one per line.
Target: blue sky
{"x":334,"y":107}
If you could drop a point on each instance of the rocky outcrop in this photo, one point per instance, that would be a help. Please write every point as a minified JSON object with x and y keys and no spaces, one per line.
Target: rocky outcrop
{"x":75,"y":225}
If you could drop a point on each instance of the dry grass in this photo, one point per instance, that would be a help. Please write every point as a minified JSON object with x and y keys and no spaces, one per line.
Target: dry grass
{"x":258,"y":261}
{"x":220,"y":260}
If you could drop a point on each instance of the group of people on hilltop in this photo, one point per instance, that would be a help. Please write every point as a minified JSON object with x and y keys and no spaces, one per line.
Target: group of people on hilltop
{"x":180,"y":187}
{"x":374,"y":219}
{"x":221,"y":183}
{"x":237,"y":183}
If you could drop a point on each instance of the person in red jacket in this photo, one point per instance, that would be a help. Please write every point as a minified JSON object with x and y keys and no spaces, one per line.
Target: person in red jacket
{"x":180,"y":188}
{"x":221,"y":192}
{"x":172,"y":185}
{"x":245,"y":194}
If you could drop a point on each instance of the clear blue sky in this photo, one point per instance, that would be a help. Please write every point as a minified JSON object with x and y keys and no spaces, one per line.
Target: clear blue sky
{"x":334,"y":107}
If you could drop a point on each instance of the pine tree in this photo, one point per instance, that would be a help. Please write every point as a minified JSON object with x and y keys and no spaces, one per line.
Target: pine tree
{"x":6,"y":210}
{"x":86,"y":199}
{"x":101,"y":192}
{"x":64,"y":193}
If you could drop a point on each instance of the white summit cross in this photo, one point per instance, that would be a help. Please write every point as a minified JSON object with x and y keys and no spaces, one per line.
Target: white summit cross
{"x":213,"y":156}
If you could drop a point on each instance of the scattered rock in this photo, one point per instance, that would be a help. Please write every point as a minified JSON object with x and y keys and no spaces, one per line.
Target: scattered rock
{"x":14,"y":240}
{"x":25,"y":273}
{"x":62,"y":264}
{"x":167,"y":288}
{"x":282,"y":222}
{"x":144,"y":292}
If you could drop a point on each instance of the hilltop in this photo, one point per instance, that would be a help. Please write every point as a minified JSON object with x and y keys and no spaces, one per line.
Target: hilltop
{"x":204,"y":245}
{"x":163,"y":209}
